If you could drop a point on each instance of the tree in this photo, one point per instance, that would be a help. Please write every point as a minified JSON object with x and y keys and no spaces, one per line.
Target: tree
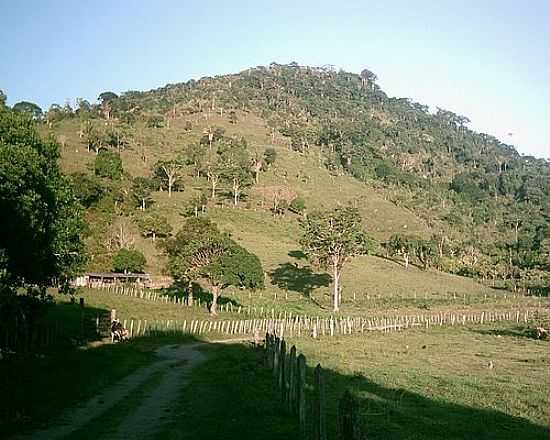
{"x":426,"y":252}
{"x":3,"y":98}
{"x":331,"y":239}
{"x":213,"y":168}
{"x":141,"y":191}
{"x":194,"y":156}
{"x":235,"y":167}
{"x":197,"y":205}
{"x":30,"y":108}
{"x":87,"y":189}
{"x":404,"y":246}
{"x":270,"y":155}
{"x":199,"y":252}
{"x":155,"y":121}
{"x":107,"y":97}
{"x":169,"y":173}
{"x":42,"y":223}
{"x":154,"y":225}
{"x":129,"y":261}
{"x":108,"y":164}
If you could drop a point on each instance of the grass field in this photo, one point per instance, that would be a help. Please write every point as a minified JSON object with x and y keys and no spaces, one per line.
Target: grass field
{"x":484,"y":382}
{"x":488,"y":382}
{"x":419,"y":384}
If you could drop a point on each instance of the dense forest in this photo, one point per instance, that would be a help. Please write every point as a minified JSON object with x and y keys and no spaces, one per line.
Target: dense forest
{"x":486,"y":206}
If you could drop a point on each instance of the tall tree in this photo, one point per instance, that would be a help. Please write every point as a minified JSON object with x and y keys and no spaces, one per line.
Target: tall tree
{"x":333,"y":238}
{"x":29,"y":108}
{"x":235,"y":167}
{"x":141,"y":191}
{"x":108,"y":164}
{"x":41,"y":220}
{"x":169,"y":172}
{"x":213,"y":168}
{"x":129,"y":261}
{"x":200,"y":252}
{"x":404,"y":246}
{"x":154,"y":225}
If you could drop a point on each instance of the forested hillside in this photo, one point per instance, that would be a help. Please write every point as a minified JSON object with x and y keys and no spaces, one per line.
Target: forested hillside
{"x":259,"y":150}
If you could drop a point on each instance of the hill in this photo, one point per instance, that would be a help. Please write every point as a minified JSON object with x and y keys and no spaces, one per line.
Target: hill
{"x":338,"y":138}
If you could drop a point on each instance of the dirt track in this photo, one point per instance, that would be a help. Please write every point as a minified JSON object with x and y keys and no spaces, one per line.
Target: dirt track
{"x":174,"y":363}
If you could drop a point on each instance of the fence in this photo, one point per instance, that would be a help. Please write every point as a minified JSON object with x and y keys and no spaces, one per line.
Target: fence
{"x":270,"y":312}
{"x":21,"y":335}
{"x":289,"y":374}
{"x":304,"y":326}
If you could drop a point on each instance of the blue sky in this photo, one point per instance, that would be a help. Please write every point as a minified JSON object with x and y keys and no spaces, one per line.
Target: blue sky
{"x":488,"y":60}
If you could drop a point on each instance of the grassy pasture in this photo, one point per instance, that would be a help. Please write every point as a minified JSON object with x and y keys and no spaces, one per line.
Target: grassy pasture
{"x":485,"y":382}
{"x":434,"y":384}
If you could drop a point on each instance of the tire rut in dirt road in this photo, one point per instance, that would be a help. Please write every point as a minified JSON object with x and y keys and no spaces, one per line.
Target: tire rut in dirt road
{"x":155,"y":410}
{"x":174,"y":361}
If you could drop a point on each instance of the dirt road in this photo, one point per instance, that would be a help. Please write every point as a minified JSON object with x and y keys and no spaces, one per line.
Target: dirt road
{"x":174,"y":364}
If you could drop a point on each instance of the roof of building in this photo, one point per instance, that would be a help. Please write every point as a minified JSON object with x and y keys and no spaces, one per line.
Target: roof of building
{"x":117,"y":275}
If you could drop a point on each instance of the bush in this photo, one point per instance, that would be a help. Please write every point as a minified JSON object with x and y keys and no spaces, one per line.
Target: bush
{"x":87,"y":189}
{"x":108,"y":164}
{"x":298,"y":205}
{"x":129,"y":260}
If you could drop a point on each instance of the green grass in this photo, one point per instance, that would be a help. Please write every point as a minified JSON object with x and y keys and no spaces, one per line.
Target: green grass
{"x":36,"y":390}
{"x":231,"y":396}
{"x":437,"y":384}
{"x":433,"y":384}
{"x":128,"y":307}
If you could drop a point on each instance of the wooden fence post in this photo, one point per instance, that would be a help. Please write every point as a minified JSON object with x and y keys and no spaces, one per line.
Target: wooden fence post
{"x":268,"y":350}
{"x":276,"y":352}
{"x":282,"y":368}
{"x":82,"y":335}
{"x":349,"y":427}
{"x":319,"y":421}
{"x":292,"y":367}
{"x":301,"y":394}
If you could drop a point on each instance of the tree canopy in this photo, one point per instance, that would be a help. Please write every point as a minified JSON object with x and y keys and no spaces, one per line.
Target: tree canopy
{"x":129,"y":261}
{"x":200,"y":252}
{"x":41,"y":220}
{"x":30,"y":108}
{"x":331,"y":239}
{"x":108,"y":164}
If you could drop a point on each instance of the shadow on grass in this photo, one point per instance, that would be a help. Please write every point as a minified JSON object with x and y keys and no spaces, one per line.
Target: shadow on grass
{"x":303,"y":279}
{"x":36,"y":390}
{"x":181,"y":291}
{"x":58,"y":327}
{"x":517,"y":332}
{"x":233,"y":396}
{"x":298,"y":255}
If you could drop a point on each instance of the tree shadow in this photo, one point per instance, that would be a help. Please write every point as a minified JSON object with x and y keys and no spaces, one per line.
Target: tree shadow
{"x":517,"y":332}
{"x":298,"y":255}
{"x":200,"y":293}
{"x":180,"y":290}
{"x":396,"y":413}
{"x":59,"y":326}
{"x":385,"y":413}
{"x":303,"y":279}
